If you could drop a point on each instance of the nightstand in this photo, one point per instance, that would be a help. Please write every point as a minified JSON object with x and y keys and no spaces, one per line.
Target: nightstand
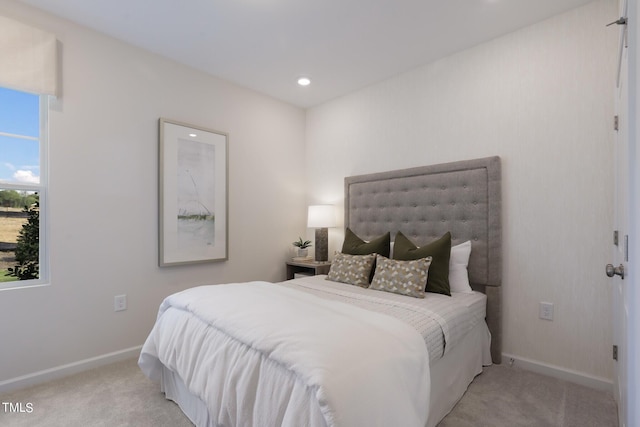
{"x":310,"y":268}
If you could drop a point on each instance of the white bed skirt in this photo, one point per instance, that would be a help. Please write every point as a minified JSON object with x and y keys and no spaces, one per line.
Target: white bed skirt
{"x":453,"y":374}
{"x":174,"y":389}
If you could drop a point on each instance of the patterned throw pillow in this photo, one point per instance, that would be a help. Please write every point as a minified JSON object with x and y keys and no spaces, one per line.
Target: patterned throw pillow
{"x":351,"y":269}
{"x":401,"y":277}
{"x":439,"y":250}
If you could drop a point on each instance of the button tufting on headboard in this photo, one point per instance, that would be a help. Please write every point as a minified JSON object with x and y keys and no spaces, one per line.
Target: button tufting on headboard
{"x":463,"y":198}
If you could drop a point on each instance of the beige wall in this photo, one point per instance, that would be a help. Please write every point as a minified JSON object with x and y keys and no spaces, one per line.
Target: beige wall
{"x":542,"y":99}
{"x":103,"y":194}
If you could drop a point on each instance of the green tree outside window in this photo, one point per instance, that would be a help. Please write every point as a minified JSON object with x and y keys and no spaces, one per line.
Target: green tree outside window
{"x":27,"y":249}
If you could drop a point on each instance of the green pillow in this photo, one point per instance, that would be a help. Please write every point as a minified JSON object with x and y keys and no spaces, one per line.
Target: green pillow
{"x":439,"y":250}
{"x":353,"y":245}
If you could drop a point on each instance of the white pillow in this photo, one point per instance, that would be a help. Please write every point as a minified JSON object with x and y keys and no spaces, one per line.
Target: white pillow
{"x":458,"y":262}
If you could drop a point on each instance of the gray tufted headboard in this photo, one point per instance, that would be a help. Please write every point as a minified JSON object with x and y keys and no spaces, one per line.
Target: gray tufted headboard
{"x":424,"y":203}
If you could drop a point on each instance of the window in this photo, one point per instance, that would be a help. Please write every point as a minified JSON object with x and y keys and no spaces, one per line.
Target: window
{"x":23,"y":188}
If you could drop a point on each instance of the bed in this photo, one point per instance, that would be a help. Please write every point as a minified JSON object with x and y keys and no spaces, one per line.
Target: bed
{"x":336,"y":354}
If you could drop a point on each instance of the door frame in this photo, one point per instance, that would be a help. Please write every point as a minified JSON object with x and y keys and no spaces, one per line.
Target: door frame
{"x":632,"y":413}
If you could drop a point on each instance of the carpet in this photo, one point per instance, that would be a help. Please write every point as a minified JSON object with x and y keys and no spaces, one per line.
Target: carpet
{"x":120,"y":395}
{"x":513,"y":397}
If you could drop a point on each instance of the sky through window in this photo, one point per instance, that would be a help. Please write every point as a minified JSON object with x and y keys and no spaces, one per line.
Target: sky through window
{"x":19,"y":137}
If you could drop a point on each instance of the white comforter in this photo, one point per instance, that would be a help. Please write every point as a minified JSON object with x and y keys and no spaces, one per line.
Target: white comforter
{"x":259,"y":354}
{"x":441,"y":320}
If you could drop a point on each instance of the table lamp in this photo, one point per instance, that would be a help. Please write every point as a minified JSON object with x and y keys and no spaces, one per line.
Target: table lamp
{"x":321,"y":217}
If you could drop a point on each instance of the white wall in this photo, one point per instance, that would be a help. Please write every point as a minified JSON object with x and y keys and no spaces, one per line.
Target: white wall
{"x":103,"y":194}
{"x":542,"y":99}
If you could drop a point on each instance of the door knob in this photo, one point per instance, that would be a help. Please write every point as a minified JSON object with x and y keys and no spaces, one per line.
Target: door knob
{"x":612,"y":271}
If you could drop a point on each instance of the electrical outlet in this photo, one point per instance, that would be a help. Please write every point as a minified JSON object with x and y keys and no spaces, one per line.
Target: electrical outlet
{"x":546,"y":310}
{"x":119,"y":303}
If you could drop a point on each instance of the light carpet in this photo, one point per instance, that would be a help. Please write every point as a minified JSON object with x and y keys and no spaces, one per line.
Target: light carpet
{"x":120,"y":395}
{"x":513,"y":397}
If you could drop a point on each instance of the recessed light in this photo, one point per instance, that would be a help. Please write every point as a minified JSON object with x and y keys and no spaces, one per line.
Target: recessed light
{"x":304,"y":81}
{"x":192,"y":135}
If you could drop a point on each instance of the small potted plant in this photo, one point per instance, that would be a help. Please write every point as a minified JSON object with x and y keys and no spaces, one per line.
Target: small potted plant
{"x":302,"y":246}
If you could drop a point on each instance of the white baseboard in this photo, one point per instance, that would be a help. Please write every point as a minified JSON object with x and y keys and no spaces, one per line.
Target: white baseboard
{"x":105,"y":359}
{"x":66,"y":370}
{"x":576,"y":377}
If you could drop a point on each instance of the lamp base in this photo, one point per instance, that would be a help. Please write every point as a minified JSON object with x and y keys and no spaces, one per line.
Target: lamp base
{"x":322,"y":244}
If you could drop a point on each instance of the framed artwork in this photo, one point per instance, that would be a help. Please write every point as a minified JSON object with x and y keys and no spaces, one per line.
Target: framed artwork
{"x":193,"y":199}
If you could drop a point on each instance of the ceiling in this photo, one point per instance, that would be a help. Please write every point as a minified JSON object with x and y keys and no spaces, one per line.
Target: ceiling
{"x":342,"y":45}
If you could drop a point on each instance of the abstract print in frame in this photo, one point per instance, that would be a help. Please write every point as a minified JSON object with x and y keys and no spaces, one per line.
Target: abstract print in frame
{"x":192,"y":194}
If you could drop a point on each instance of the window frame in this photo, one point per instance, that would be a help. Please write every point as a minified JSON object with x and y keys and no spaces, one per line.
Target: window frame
{"x":42,"y":189}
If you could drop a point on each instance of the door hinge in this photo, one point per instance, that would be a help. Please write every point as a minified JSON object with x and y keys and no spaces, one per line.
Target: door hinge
{"x":626,"y":247}
{"x":615,"y":352}
{"x":616,"y":121}
{"x":615,"y":237}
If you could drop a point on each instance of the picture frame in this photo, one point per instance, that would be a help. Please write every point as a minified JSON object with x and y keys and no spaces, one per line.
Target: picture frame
{"x":193,"y":194}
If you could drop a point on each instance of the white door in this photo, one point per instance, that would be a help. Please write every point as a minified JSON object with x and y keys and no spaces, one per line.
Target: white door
{"x":619,"y":264}
{"x":631,"y":291}
{"x":619,"y":268}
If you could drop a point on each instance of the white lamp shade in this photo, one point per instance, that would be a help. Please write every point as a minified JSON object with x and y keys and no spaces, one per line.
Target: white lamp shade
{"x":321,"y":216}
